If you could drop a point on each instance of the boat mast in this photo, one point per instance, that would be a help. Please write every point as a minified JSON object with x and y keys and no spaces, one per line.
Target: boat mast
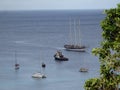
{"x":79,"y":34}
{"x":16,"y":63}
{"x":70,"y":33}
{"x":15,"y":58}
{"x":75,"y":36}
{"x":43,"y":65}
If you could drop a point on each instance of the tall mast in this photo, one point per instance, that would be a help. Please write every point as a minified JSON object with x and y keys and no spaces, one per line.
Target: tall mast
{"x":75,"y":33}
{"x":15,"y":58}
{"x":70,"y":32}
{"x":16,"y":63}
{"x":79,"y":34}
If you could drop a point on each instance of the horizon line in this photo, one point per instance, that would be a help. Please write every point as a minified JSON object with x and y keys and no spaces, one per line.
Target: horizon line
{"x":50,"y":9}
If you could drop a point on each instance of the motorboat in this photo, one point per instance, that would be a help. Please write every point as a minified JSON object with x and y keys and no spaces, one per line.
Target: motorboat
{"x":59,"y":56}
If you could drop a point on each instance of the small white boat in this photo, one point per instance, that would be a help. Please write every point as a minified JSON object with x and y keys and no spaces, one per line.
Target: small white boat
{"x":83,"y":70}
{"x":38,"y":75}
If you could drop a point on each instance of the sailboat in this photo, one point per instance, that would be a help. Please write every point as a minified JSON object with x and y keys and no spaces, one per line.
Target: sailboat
{"x":40,"y":74}
{"x":43,"y":64}
{"x":17,"y":66}
{"x":75,"y":39}
{"x":83,"y":69}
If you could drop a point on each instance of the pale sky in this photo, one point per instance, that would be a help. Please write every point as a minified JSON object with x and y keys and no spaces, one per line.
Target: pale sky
{"x":56,"y":4}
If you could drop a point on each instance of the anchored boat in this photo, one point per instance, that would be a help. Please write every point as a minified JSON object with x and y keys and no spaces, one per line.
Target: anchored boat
{"x":75,"y":38}
{"x":59,"y":56}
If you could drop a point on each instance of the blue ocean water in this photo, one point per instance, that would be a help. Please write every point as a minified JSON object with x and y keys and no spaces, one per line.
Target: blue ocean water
{"x":35,"y":36}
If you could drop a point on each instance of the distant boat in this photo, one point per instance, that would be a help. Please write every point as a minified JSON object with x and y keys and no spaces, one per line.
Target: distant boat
{"x":59,"y":56}
{"x":75,"y":38}
{"x":83,"y":70}
{"x":40,"y":74}
{"x":17,"y":66}
{"x":43,"y":65}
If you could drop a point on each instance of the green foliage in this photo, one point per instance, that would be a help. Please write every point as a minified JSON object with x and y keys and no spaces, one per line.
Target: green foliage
{"x":92,"y":84}
{"x":108,"y":53}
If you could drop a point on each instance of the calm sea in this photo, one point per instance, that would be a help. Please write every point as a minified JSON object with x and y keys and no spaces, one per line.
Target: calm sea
{"x":35,"y":36}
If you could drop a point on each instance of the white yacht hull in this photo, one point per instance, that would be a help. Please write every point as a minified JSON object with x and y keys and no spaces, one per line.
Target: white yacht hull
{"x":38,"y":75}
